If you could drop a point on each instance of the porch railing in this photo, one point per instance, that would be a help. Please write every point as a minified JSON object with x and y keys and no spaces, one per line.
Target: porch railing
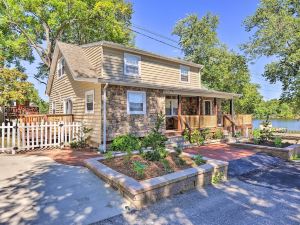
{"x":196,"y":121}
{"x":30,"y":119}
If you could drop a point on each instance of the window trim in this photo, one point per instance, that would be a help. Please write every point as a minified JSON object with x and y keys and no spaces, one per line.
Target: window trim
{"x":211,"y":112}
{"x":85,"y":101}
{"x":53,"y":106}
{"x":172,"y":107}
{"x":139,"y":65}
{"x":189,"y":74}
{"x":65,"y":100}
{"x":60,"y":66}
{"x":144,"y":103}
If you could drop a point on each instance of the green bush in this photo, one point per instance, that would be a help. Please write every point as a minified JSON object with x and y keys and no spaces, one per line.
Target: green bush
{"x":166,"y":166}
{"x":108,"y":155}
{"x":196,"y":137}
{"x":217,"y":177}
{"x":199,"y":160}
{"x":278,"y":142}
{"x":178,"y":150}
{"x":74,"y":144}
{"x":125,"y":143}
{"x":218,"y":134}
{"x":156,"y":141}
{"x":139,"y":168}
{"x":266,"y":135}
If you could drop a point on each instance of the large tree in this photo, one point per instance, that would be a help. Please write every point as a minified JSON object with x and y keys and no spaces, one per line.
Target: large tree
{"x":35,"y":25}
{"x":275,"y":28}
{"x":224,"y":70}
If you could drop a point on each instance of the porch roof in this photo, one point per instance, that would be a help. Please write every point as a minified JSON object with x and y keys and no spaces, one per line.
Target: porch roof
{"x":172,"y":90}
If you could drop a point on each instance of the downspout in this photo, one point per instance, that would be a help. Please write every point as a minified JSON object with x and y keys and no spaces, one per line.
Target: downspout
{"x":104,"y":118}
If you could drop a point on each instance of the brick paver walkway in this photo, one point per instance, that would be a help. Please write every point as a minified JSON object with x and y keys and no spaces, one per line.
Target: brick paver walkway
{"x":220,"y":151}
{"x":69,"y":157}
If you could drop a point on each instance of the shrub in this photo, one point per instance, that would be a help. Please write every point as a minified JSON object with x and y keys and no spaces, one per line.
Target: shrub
{"x":187,"y":135}
{"x":139,"y":168}
{"x":179,"y":161}
{"x":125,"y":143}
{"x":238,"y":134}
{"x":196,"y":137}
{"x":278,"y":142}
{"x":166,"y":166}
{"x":156,"y":140}
{"x":218,"y":134}
{"x":178,"y":150}
{"x":108,"y":155}
{"x":74,"y":144}
{"x":266,"y":135}
{"x":199,"y":160}
{"x":217,"y":177}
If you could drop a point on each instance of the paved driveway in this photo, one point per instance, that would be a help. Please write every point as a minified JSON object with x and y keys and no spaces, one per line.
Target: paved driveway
{"x":37,"y":190}
{"x":269,"y":195}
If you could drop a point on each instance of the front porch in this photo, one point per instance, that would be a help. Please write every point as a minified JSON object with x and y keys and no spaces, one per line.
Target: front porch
{"x":198,"y":112}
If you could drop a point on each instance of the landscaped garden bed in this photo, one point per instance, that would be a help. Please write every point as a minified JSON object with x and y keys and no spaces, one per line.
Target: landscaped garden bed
{"x":172,"y":163}
{"x":152,"y":172}
{"x":264,"y":141}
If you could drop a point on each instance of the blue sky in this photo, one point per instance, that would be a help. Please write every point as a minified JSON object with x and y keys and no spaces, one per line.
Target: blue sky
{"x":160,"y":16}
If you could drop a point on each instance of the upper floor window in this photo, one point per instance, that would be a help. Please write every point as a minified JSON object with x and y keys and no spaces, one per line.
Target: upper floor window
{"x":184,"y":74}
{"x":68,"y":106}
{"x":132,"y":65}
{"x":89,"y":101}
{"x":61,"y":67}
{"x":136,"y":102}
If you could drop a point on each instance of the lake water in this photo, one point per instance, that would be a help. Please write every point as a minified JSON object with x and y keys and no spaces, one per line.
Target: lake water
{"x":278,"y":123}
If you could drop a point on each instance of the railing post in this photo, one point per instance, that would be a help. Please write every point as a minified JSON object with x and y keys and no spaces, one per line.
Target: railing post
{"x":179,"y":114}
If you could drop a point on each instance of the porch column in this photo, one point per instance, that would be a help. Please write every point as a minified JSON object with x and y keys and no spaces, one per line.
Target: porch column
{"x":179,"y":113}
{"x":231,"y":108}
{"x":215,"y":107}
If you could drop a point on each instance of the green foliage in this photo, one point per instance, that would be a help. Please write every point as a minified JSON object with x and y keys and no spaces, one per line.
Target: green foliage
{"x":224,"y":70}
{"x":178,"y":150}
{"x":108,"y":155}
{"x":83,"y":137}
{"x":156,"y":141}
{"x":14,"y":86}
{"x":278,"y":142}
{"x":217,"y":177}
{"x":275,"y":30}
{"x":166,"y":165}
{"x":179,"y":161}
{"x":295,"y":157}
{"x":125,"y":143}
{"x":218,"y":134}
{"x":199,"y":160}
{"x":74,"y":144}
{"x":238,"y":134}
{"x":187,"y":135}
{"x":139,"y":168}
{"x":31,"y":25}
{"x":196,"y":137}
{"x":266,"y":135}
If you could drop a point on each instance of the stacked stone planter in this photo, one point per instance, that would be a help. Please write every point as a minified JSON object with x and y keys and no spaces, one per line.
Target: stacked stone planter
{"x":141,"y":193}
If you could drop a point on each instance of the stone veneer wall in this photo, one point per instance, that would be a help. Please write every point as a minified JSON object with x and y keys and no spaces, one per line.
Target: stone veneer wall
{"x":189,"y":105}
{"x":119,"y":122}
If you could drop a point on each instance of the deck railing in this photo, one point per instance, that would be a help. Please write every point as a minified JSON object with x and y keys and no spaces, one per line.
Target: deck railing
{"x":196,"y":121}
{"x":39,"y":118}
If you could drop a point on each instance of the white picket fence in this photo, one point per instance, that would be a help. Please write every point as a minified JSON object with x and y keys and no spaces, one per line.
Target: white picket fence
{"x":18,"y":137}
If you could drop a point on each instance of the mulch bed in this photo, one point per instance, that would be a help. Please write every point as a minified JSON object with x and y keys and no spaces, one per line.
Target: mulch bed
{"x":153,"y":169}
{"x":269,"y":143}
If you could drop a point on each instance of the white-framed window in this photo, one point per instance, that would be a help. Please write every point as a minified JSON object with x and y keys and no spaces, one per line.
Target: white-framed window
{"x":136,"y":102}
{"x":68,"y":106}
{"x":53,"y":107}
{"x":89,"y":101}
{"x":171,"y":107}
{"x":207,"y":107}
{"x":184,"y":74}
{"x":132,"y":65}
{"x":60,"y":67}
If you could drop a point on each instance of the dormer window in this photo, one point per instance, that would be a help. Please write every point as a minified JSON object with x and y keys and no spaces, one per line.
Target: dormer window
{"x":61,"y":67}
{"x":184,"y":74}
{"x":132,"y":65}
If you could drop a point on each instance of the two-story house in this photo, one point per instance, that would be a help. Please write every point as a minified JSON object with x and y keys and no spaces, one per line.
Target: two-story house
{"x":117,"y":89}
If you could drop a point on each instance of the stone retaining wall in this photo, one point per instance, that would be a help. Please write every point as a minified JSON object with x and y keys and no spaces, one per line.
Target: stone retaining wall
{"x":148,"y":191}
{"x":284,"y":153}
